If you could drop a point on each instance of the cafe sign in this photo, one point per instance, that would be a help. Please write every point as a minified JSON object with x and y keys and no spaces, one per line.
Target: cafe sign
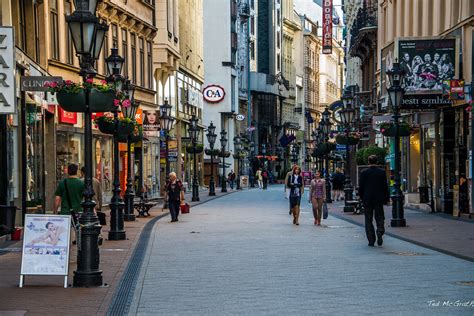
{"x":213,"y":93}
{"x":7,"y":70}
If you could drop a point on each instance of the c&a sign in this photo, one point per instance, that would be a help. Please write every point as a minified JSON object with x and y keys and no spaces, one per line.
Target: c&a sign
{"x":213,"y":93}
{"x":7,"y":70}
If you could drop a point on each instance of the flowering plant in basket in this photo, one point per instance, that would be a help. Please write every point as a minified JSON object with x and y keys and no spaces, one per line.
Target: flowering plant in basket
{"x":65,"y":85}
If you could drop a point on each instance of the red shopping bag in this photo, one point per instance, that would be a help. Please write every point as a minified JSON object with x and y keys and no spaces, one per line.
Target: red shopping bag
{"x":184,"y":208}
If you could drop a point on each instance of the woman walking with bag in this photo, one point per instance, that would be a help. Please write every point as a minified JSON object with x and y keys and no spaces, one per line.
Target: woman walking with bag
{"x":317,"y":196}
{"x":174,"y":194}
{"x":295,"y":183}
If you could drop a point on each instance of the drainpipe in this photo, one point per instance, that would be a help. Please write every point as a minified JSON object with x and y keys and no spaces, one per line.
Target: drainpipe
{"x":472,"y":122}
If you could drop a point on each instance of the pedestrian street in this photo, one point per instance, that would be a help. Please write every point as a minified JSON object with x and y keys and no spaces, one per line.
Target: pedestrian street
{"x":241,"y":254}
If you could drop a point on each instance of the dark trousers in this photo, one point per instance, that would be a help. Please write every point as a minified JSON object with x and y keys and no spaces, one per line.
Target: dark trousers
{"x":174,"y":209}
{"x":372,"y":211}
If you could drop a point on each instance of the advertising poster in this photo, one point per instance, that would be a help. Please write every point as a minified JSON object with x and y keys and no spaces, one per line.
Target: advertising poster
{"x":46,"y":245}
{"x":388,"y":58}
{"x":428,"y":63}
{"x":151,"y":123}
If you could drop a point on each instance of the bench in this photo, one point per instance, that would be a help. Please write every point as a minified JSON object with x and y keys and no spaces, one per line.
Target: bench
{"x":143,"y":207}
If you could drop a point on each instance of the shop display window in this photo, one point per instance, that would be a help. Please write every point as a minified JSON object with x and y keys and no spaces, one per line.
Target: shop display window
{"x":34,"y":156}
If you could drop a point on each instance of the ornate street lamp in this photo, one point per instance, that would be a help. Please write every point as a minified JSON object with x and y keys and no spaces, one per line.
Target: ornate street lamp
{"x":326,"y":128}
{"x":238,"y":151}
{"x":166,"y":124}
{"x":294,"y":153}
{"x":396,"y":91}
{"x":130,"y":113}
{"x":223,"y":141}
{"x":211,"y":138}
{"x":194,"y":134}
{"x":117,"y":232}
{"x":87,"y":35}
{"x":347,"y":117}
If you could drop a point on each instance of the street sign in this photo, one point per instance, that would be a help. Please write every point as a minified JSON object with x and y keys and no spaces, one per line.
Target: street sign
{"x":340,"y":147}
{"x":240,"y":117}
{"x":37,"y":83}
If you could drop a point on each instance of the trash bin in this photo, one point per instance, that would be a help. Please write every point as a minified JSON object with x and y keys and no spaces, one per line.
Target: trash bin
{"x":7,"y":217}
{"x":424,"y":195}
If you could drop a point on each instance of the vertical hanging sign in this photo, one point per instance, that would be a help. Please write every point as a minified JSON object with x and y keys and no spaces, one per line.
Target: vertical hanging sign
{"x":327,"y":26}
{"x":7,"y":70}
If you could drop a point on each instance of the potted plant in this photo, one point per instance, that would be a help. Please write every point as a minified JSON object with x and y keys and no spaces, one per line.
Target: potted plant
{"x":135,"y":137}
{"x":240,"y":155}
{"x":190,"y":149}
{"x":212,"y":152}
{"x":224,"y":154}
{"x":353,"y":138}
{"x":72,"y":98}
{"x":364,"y":153}
{"x":389,"y":129}
{"x":107,"y":125}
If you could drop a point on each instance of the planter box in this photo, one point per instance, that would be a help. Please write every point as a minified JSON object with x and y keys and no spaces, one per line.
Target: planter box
{"x":390,"y":132}
{"x":76,"y":102}
{"x":342,"y":140}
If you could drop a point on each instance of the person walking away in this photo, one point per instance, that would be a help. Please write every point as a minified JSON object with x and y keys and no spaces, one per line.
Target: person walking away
{"x":231,"y":179}
{"x":317,"y":196}
{"x":174,"y":194}
{"x":259,"y":177}
{"x":373,"y":190}
{"x":287,"y":188}
{"x":69,"y":193}
{"x":97,"y":187}
{"x":337,"y":185}
{"x":295,"y":182}
{"x":265,"y":179}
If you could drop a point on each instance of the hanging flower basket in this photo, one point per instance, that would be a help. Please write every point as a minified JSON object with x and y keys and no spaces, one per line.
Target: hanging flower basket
{"x":71,"y":96}
{"x":199,"y":149}
{"x":342,"y":139}
{"x":135,"y":137}
{"x":125,"y":127}
{"x":239,"y":156}
{"x":389,"y":129}
{"x":212,"y":152}
{"x":105,"y":124}
{"x":224,"y":154}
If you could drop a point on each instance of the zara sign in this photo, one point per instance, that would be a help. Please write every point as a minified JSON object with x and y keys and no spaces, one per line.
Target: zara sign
{"x":7,"y":70}
{"x":213,"y":93}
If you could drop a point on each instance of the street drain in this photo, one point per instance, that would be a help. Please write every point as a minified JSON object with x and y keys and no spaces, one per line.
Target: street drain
{"x":11,"y":249}
{"x":465,"y":283}
{"x":406,"y":254}
{"x":193,"y":232}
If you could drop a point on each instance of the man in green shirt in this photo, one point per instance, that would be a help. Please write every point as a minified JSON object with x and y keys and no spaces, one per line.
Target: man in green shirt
{"x":71,"y":198}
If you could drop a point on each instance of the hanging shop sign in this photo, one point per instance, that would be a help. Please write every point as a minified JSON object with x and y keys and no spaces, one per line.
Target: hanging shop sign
{"x":37,"y":83}
{"x":151,"y":124}
{"x":456,"y":89}
{"x":327,"y":26}
{"x":240,"y":117}
{"x":213,"y":93}
{"x":7,"y":69}
{"x":67,"y":117}
{"x":46,"y":246}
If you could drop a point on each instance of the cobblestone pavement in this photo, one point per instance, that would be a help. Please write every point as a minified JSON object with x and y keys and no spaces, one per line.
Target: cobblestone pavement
{"x":240,"y":254}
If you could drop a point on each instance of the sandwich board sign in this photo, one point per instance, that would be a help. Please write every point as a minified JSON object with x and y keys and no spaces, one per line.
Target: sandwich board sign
{"x":46,"y":246}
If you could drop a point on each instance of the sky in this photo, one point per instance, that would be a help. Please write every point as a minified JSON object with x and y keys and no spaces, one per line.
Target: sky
{"x":312,"y":8}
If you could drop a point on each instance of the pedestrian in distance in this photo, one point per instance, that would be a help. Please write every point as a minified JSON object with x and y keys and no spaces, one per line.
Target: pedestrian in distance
{"x":337,"y":185}
{"x":295,"y":183}
{"x":373,"y":190}
{"x":265,"y":178}
{"x":317,"y":196}
{"x":231,"y":179}
{"x":174,"y":195}
{"x":97,"y":187}
{"x":259,"y":177}
{"x":287,"y":188}
{"x":69,"y":193}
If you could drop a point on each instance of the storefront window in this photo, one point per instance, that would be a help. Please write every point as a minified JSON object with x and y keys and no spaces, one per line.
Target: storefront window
{"x":102,"y":160}
{"x":34,"y":154}
{"x":69,"y":149}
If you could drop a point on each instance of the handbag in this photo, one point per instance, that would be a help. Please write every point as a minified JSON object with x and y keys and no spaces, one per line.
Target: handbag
{"x":184,"y":208}
{"x":325,"y":211}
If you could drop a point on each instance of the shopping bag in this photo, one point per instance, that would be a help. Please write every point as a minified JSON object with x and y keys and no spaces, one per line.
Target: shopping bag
{"x":325,"y":211}
{"x":184,"y":208}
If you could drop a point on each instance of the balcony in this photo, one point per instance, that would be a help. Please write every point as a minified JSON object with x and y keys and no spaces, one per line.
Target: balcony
{"x":364,"y":33}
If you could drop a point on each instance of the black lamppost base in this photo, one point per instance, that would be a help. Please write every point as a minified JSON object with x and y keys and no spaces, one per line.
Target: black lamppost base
{"x":348,"y":209}
{"x":129,"y":217}
{"x":117,"y":235}
{"x":398,"y":222}
{"x":87,"y":279}
{"x":212,"y":193}
{"x":195,"y":199}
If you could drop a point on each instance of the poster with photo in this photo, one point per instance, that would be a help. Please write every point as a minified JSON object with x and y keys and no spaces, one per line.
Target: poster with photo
{"x":46,"y":245}
{"x":151,"y":123}
{"x":428,"y":63}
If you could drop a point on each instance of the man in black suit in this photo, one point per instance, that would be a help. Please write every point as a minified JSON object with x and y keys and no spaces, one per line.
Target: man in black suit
{"x":373,"y":190}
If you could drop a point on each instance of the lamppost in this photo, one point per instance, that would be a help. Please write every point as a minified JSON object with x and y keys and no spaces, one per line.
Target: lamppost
{"x":129,"y":192}
{"x":396,"y":91}
{"x":88,"y":36}
{"x":326,"y":128}
{"x":223,"y":144}
{"x":238,"y":149}
{"x":117,"y":232}
{"x":211,"y":138}
{"x":264,"y":154}
{"x":166,"y":124}
{"x":347,"y":116}
{"x":294,"y":153}
{"x":194,"y":134}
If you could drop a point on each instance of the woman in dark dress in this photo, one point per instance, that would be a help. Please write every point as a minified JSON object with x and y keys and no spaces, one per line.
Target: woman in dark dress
{"x":174,"y":194}
{"x":295,"y":183}
{"x":337,"y":185}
